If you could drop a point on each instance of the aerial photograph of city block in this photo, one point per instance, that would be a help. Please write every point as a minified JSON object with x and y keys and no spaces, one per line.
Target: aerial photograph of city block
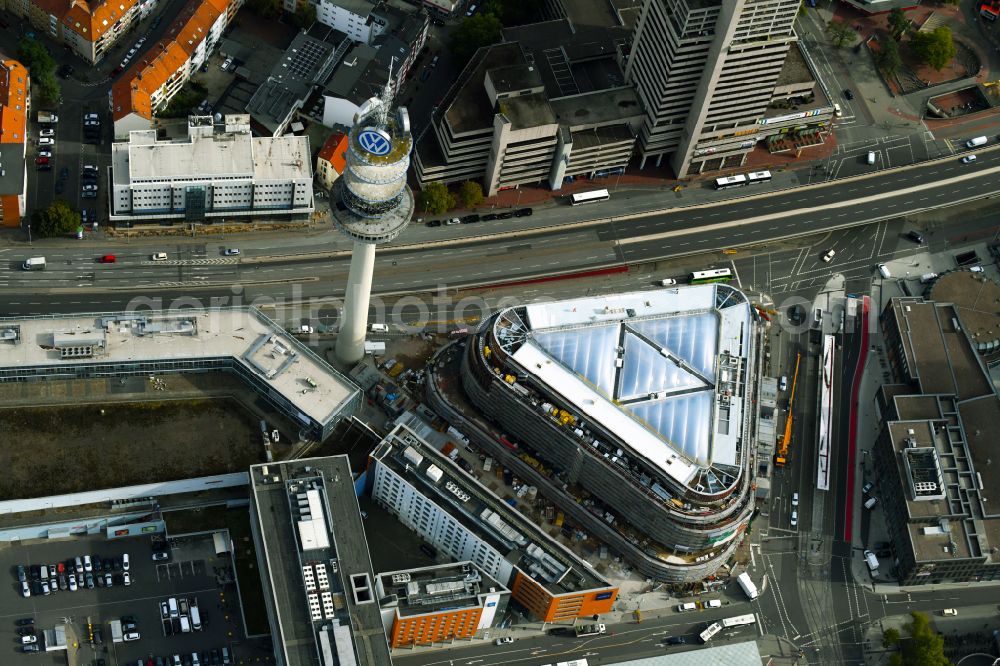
{"x":500,"y":332}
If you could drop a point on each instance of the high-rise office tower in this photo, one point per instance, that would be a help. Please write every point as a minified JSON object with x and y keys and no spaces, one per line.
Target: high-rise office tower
{"x":705,"y":71}
{"x":371,"y":204}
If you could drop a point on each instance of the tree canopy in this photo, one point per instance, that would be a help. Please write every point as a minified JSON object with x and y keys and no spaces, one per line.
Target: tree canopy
{"x":436,"y":199}
{"x":935,"y":48}
{"x":513,"y":12}
{"x":898,"y":23}
{"x":305,"y":16}
{"x":59,"y":219}
{"x":888,"y":58}
{"x":42,"y":68}
{"x":473,"y":33}
{"x":470,"y":194}
{"x":924,"y":647}
{"x":265,"y":8}
{"x":840,"y":33}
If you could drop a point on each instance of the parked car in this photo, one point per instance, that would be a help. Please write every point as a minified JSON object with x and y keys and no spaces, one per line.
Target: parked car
{"x":828,"y":256}
{"x":88,"y":187}
{"x":867,"y":487}
{"x":161,"y":555}
{"x":226,"y":64}
{"x":72,"y":583}
{"x":45,"y":153}
{"x":47,"y":132}
{"x":127,"y":578}
{"x":231,"y":252}
{"x":506,"y":640}
{"x":915,"y":236}
{"x":433,"y":223}
{"x":131,"y":636}
{"x":46,"y":141}
{"x":523,"y":212}
{"x":24,"y":621}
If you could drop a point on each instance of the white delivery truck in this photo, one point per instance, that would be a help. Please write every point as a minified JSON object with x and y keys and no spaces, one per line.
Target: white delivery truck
{"x":978,"y":141}
{"x":747,"y":586}
{"x":34,"y":264}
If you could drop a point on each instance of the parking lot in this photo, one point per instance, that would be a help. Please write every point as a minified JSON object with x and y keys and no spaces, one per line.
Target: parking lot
{"x":189,"y":574}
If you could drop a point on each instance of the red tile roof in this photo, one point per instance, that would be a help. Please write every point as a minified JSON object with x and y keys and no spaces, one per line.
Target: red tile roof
{"x":133,"y":91}
{"x":13,"y":101}
{"x":333,"y":151}
{"x":89,"y":19}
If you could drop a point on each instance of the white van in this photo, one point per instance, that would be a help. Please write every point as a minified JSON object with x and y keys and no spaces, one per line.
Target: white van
{"x":34,"y":264}
{"x":871,"y":157}
{"x":928,"y":277}
{"x":783,"y":384}
{"x":871,"y":560}
{"x":871,"y":502}
{"x":195,"y":618}
{"x":379,"y":328}
{"x":686,"y":607}
{"x":978,"y":141}
{"x":185,"y":626}
{"x":883,"y":270}
{"x":172,"y":605}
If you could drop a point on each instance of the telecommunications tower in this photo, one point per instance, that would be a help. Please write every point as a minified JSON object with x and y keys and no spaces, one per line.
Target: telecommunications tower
{"x":371,"y":203}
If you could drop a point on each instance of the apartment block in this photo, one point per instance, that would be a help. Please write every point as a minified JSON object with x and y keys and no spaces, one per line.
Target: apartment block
{"x":932,"y":460}
{"x":360,"y":20}
{"x":522,"y":112}
{"x":439,"y":603}
{"x":15,"y":101}
{"x":706,"y":73}
{"x":460,"y":517}
{"x":89,"y":29}
{"x":219,"y":172}
{"x":160,"y":73}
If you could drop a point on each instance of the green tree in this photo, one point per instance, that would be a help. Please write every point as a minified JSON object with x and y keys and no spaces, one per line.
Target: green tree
{"x":896,"y":659}
{"x":436,"y":199}
{"x":888,"y":58}
{"x":840,"y":33}
{"x":898,"y":23}
{"x":470,"y":194}
{"x":265,"y":8}
{"x":474,"y":32}
{"x":59,"y":219}
{"x":935,"y":48}
{"x":924,"y":647}
{"x":42,"y":68}
{"x":890,"y":637}
{"x":305,"y":16}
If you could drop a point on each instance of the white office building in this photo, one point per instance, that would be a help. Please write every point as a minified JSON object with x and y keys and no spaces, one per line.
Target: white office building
{"x":220,"y":172}
{"x":354,"y":18}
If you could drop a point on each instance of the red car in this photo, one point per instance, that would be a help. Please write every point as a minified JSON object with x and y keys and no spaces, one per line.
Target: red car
{"x":41,"y":160}
{"x":107,"y":259}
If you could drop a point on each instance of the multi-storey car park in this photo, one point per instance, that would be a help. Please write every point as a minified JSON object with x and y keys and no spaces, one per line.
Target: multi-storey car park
{"x":240,"y":341}
{"x":639,"y":407}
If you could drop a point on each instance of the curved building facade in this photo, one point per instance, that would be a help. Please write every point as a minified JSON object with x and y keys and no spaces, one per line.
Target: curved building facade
{"x":641,"y":404}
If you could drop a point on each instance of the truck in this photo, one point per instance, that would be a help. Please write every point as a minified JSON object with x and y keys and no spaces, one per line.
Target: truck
{"x":116,"y":631}
{"x":47,"y":117}
{"x":978,"y":141}
{"x":592,"y":629}
{"x":747,"y":586}
{"x":34,"y":264}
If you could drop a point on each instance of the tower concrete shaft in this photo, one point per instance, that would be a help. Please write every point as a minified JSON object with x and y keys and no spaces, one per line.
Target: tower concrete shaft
{"x":351,"y":340}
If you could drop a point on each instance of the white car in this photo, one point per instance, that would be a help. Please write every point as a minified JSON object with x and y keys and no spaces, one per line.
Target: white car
{"x":453,"y":220}
{"x":25,"y":589}
{"x":131,"y":636}
{"x":968,"y":159}
{"x":837,"y":111}
{"x":159,"y":256}
{"x":127,"y":577}
{"x":794,"y":520}
{"x":795,"y":499}
{"x":91,"y":116}
{"x":231,"y":252}
{"x":124,"y":63}
{"x":88,"y":566}
{"x":505,"y":640}
{"x":31,"y":638}
{"x":46,"y":141}
{"x":226,"y":65}
{"x":72,"y":583}
{"x":713,"y":603}
{"x":45,"y":153}
{"x":125,"y":555}
{"x":47,"y":132}
{"x":828,"y":256}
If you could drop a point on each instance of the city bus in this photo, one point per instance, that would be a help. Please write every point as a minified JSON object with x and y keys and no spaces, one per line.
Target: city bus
{"x":724,"y":183}
{"x":712,"y":275}
{"x":727,"y":623}
{"x":755,"y":177}
{"x":590,"y":197}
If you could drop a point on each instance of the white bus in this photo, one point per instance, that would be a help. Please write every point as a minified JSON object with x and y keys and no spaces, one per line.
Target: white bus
{"x":755,"y":177}
{"x":712,"y":275}
{"x":590,"y":197}
{"x":739,"y":621}
{"x":710,"y":632}
{"x":739,"y":180}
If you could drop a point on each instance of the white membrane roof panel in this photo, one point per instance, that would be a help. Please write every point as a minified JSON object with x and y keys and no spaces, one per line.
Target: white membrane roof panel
{"x":589,"y":352}
{"x":683,"y":420}
{"x":693,"y":338}
{"x":645,"y":370}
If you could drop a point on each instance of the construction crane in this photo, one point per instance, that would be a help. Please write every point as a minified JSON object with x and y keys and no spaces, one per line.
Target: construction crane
{"x":781,"y":457}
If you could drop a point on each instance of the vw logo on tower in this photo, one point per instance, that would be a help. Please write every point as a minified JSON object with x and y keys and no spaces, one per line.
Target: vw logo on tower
{"x":375,"y":141}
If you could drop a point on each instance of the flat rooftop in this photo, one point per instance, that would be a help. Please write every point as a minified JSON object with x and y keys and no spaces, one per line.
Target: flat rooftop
{"x":220,"y":154}
{"x":795,"y":69}
{"x":662,"y":370}
{"x":31,"y":347}
{"x":441,"y":587}
{"x":484,"y":514}
{"x":975,"y":297}
{"x":326,"y":614}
